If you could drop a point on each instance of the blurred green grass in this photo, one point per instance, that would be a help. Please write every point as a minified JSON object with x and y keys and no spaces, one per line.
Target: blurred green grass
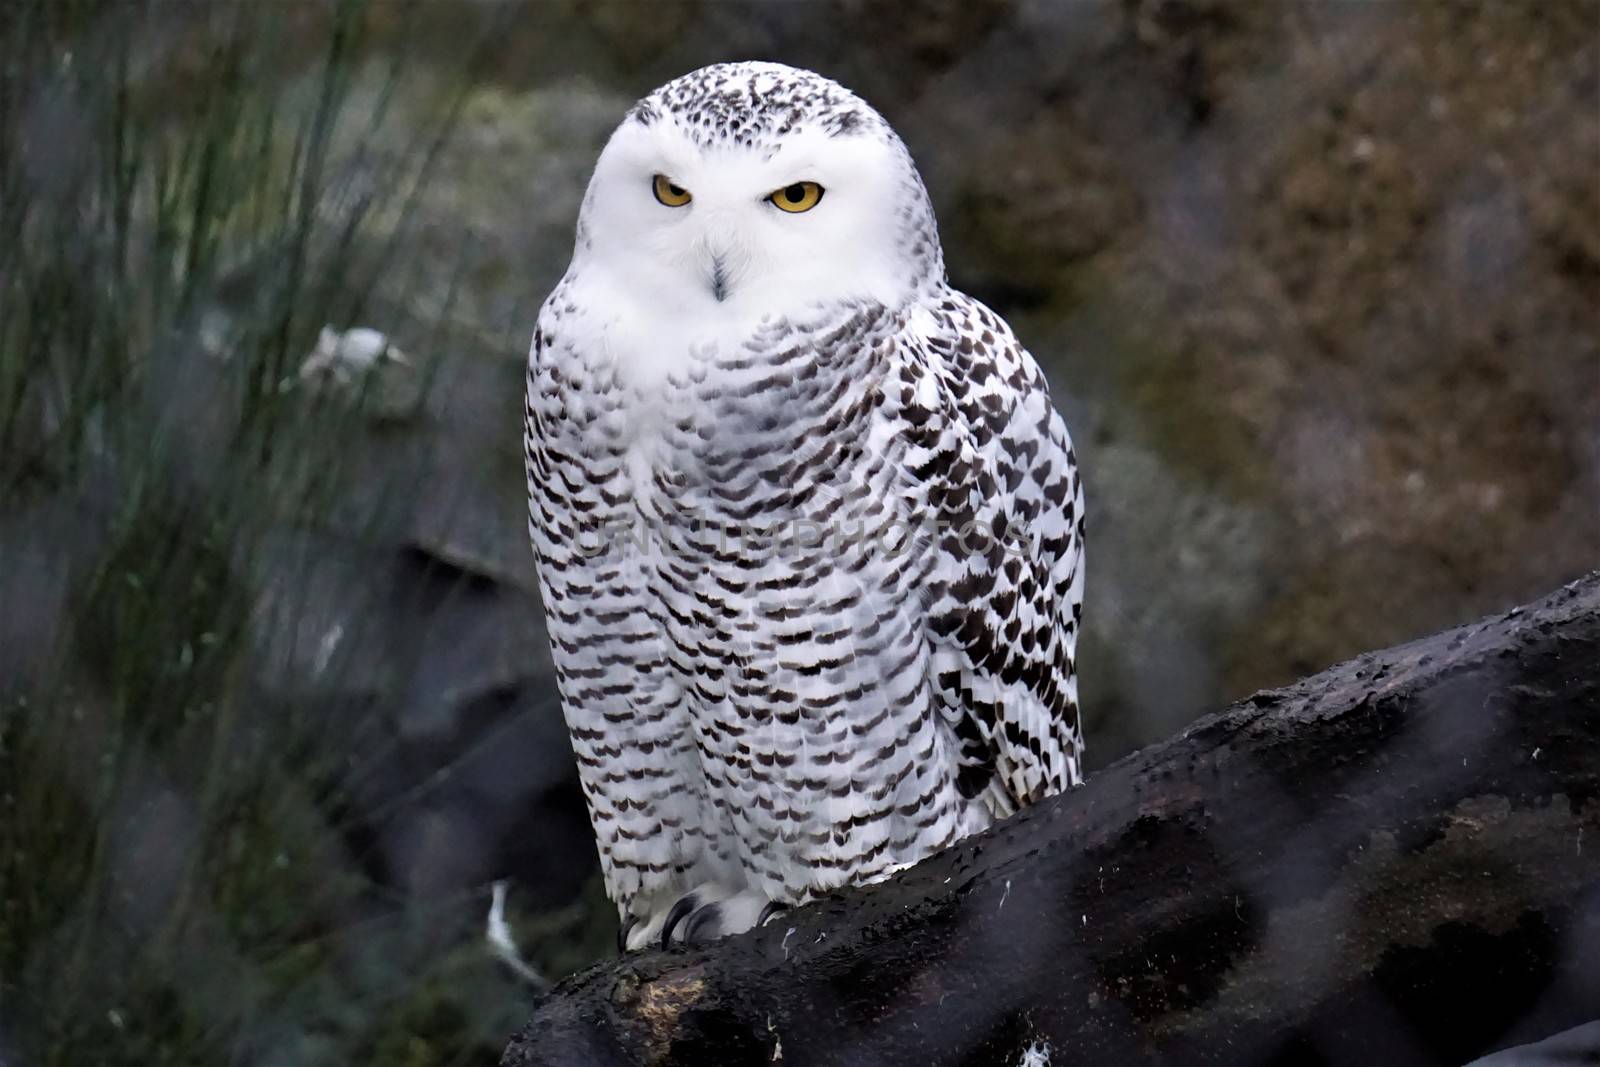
{"x":173,"y":886}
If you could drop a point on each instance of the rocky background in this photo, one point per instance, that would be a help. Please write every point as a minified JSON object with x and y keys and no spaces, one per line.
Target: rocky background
{"x":1317,"y":286}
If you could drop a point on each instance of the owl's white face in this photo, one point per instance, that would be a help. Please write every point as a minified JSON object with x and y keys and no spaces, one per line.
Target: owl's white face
{"x":686,"y":220}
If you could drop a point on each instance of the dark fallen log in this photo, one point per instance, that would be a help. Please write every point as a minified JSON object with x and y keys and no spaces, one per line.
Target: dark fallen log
{"x":1396,"y":861}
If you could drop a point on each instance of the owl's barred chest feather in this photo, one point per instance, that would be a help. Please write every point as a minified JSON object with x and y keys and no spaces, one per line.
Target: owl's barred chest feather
{"x":808,"y":529}
{"x":748,"y":519}
{"x":756,"y":428}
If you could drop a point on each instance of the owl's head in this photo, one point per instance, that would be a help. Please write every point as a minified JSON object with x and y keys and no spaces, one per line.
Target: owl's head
{"x":746,"y":189}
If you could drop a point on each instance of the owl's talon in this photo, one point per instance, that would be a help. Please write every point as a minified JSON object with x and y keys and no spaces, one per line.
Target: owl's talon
{"x":704,"y":925}
{"x":773,"y":909}
{"x":622,"y":933}
{"x":686,"y":904}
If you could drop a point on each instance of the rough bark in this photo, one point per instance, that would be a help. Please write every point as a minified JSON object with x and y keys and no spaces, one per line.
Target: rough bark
{"x":1394,"y":861}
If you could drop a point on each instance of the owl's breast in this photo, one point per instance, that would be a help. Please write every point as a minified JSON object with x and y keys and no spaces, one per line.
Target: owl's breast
{"x":721,"y":422}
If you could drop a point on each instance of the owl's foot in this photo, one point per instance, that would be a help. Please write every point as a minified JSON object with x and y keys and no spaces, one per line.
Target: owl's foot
{"x":703,"y":914}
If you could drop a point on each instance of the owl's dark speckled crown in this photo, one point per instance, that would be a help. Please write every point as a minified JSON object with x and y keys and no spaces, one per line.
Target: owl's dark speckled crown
{"x":755,"y":104}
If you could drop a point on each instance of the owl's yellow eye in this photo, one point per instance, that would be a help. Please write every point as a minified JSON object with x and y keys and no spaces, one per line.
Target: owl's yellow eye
{"x":670,"y":194}
{"x":801,"y":196}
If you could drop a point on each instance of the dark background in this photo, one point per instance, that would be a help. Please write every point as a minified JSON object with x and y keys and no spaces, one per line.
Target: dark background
{"x":1316,"y":285}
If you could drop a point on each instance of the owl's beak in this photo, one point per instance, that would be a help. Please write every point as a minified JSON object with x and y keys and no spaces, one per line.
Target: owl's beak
{"x":719,"y":278}
{"x":719,"y":247}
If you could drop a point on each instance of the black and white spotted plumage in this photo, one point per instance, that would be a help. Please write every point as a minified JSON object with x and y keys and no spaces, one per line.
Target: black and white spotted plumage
{"x":809,"y":530}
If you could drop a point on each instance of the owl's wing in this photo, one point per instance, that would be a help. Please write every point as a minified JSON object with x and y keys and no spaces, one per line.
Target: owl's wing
{"x":991,"y":465}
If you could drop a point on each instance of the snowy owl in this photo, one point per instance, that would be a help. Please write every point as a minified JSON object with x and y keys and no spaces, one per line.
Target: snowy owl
{"x":809,"y":532}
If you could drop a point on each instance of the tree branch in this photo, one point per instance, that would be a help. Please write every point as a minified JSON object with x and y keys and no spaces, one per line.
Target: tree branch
{"x":1394,"y":861}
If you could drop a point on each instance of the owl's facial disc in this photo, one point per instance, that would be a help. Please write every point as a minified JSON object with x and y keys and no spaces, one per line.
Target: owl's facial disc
{"x":794,"y":199}
{"x":733,"y":230}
